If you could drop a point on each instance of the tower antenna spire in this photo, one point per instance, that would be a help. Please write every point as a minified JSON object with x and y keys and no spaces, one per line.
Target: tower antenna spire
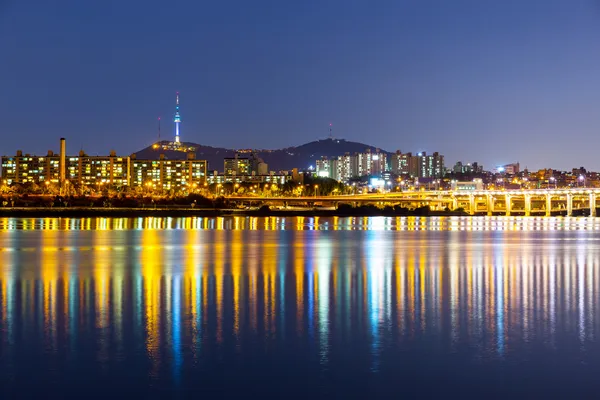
{"x":330,"y":133}
{"x":177,"y":119}
{"x":159,"y":129}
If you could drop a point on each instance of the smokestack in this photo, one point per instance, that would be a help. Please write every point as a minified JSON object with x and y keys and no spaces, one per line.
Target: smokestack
{"x":63,"y":160}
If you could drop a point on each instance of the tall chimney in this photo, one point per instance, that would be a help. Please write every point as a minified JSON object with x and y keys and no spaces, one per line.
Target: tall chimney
{"x":63,"y":160}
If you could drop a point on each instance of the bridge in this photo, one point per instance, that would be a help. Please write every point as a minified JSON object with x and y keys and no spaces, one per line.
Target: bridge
{"x":487,"y":202}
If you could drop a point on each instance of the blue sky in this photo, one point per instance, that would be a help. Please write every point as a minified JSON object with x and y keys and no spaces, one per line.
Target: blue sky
{"x":477,"y":80}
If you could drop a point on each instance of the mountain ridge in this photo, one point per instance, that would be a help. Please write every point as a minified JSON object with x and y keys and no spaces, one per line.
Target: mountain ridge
{"x":301,"y":157}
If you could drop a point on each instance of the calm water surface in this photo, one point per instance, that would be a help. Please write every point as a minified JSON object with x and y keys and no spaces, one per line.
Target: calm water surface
{"x":291,"y":307}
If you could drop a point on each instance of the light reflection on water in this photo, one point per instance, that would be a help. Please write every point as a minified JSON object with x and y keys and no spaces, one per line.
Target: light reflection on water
{"x":306,"y":223}
{"x":172,"y":303}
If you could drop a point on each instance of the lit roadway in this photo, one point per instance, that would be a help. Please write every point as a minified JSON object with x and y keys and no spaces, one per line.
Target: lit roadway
{"x":508,"y":202}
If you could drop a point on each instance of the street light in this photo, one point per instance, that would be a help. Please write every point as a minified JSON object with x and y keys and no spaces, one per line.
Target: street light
{"x":553,"y":179}
{"x":582,"y":180}
{"x":316,"y":188}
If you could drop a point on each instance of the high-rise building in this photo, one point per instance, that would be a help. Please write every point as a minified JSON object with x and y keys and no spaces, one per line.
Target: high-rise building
{"x":99,"y":170}
{"x":146,"y":173}
{"x":429,"y":166}
{"x":342,"y":168}
{"x":400,"y":163}
{"x":31,"y":169}
{"x":420,"y":165}
{"x":96,"y":171}
{"x":237,"y":165}
{"x":323,"y":167}
{"x":166,"y":175}
{"x":371,"y":163}
{"x":468,"y":168}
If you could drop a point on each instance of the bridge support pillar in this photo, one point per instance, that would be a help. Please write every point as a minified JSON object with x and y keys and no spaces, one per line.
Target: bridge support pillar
{"x":508,"y":204}
{"x":527,"y":205}
{"x":592,"y":204}
{"x":569,"y":205}
{"x":454,"y":203}
{"x":471,"y":204}
{"x":548,"y":205}
{"x":490,"y":205}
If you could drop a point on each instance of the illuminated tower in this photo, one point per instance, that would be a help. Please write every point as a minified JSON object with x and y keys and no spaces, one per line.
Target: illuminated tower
{"x":177,"y":119}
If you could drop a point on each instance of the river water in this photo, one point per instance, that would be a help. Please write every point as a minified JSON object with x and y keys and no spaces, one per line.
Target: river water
{"x":300,"y":307}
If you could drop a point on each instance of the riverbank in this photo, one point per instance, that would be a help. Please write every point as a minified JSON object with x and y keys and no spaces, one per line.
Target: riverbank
{"x":121,"y":212}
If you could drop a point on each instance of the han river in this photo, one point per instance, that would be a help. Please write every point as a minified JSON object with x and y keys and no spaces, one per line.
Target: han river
{"x":249,"y":307}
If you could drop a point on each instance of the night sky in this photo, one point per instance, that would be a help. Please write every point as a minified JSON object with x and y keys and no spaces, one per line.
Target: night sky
{"x":481,"y":80}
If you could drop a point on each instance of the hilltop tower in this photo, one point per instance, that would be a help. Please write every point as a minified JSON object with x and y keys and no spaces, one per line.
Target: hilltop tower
{"x":177,"y":119}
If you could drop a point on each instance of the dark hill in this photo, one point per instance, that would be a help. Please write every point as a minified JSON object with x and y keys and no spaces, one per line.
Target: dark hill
{"x":214,"y":155}
{"x":300,"y":157}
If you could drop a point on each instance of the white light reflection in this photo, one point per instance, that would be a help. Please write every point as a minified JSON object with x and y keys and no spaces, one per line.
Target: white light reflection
{"x":323,"y":264}
{"x":375,"y":254}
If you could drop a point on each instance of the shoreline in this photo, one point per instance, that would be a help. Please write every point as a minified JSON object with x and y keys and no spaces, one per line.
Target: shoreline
{"x":88,"y":212}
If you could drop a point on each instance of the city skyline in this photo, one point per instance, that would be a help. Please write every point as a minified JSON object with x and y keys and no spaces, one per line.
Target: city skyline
{"x":356,"y":198}
{"x":404,"y":75}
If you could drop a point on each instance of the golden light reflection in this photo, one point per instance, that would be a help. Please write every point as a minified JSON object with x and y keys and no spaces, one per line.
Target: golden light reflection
{"x":237,"y":260}
{"x":269,"y":268}
{"x":334,"y":223}
{"x":299,"y":271}
{"x":49,"y":276}
{"x":220,"y":248}
{"x":466,"y":281}
{"x":151,"y":262}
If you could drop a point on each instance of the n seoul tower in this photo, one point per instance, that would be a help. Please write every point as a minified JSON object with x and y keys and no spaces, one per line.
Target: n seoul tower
{"x":177,"y":119}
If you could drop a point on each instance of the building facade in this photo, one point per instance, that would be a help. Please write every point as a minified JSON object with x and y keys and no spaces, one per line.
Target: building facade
{"x":420,"y":165}
{"x":96,"y":172}
{"x":237,"y":166}
{"x":509,"y":169}
{"x":31,"y":169}
{"x":168,"y":175}
{"x":400,"y":163}
{"x":252,"y":165}
{"x":343,"y":168}
{"x":468,"y":168}
{"x":278,"y":179}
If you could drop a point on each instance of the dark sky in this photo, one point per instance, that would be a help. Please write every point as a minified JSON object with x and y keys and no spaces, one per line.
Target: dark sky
{"x":480,"y":80}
